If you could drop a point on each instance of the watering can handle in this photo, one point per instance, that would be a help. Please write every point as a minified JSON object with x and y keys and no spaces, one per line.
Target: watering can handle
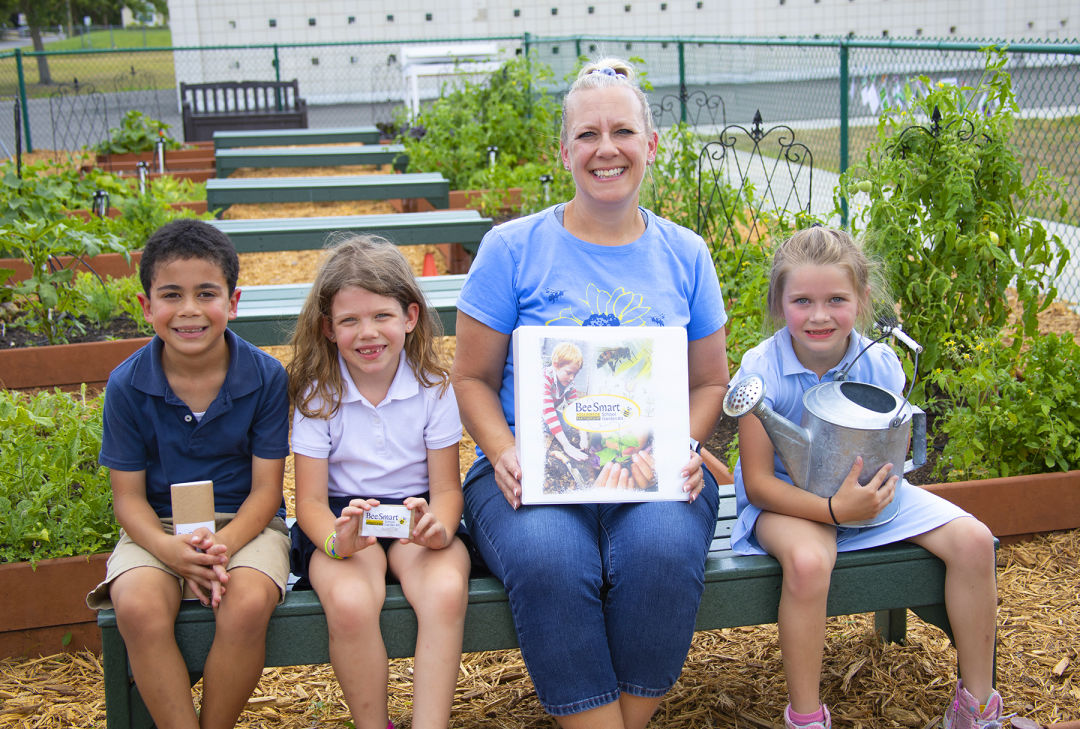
{"x":918,"y":440}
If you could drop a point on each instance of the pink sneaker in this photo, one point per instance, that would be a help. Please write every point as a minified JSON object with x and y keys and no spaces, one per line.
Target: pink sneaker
{"x":963,"y":712}
{"x":789,"y":723}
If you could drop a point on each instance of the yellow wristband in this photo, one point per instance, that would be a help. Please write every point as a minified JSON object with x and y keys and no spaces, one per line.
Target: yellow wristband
{"x":329,"y":546}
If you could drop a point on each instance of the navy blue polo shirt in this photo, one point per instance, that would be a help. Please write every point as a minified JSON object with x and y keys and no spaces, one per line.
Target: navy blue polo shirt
{"x":147,"y":427}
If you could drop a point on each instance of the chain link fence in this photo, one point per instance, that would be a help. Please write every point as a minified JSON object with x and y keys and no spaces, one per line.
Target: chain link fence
{"x":829,"y":91}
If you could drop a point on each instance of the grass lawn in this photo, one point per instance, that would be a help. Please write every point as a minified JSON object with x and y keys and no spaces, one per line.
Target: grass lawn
{"x":91,"y":60}
{"x":117,"y":38}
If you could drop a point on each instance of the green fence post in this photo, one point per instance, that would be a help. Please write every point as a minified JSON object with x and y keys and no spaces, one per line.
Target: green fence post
{"x":22,"y":99}
{"x":526,"y":41}
{"x":277,"y":77}
{"x":843,"y":123}
{"x":682,"y":82}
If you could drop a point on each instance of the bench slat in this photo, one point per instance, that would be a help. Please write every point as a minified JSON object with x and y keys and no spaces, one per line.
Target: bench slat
{"x":228,"y":161}
{"x":282,"y":137}
{"x":291,"y":234}
{"x":221,"y":193}
{"x":266,"y":315}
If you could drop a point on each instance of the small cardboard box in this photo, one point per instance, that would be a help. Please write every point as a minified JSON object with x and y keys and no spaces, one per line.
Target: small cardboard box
{"x":394,"y":521}
{"x":192,"y":508}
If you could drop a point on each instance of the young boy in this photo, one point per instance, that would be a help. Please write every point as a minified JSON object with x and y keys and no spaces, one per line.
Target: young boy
{"x":196,"y":403}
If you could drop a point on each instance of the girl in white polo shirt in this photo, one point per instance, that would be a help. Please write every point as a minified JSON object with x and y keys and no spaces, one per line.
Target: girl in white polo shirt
{"x":376,"y":422}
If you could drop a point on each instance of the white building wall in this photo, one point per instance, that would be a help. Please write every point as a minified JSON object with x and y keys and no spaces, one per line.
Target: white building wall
{"x":355,"y":72}
{"x":212,"y":22}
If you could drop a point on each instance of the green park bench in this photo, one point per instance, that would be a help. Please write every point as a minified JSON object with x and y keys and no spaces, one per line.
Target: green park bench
{"x":228,"y":161}
{"x":266,"y":315}
{"x":286,"y":137}
{"x":739,"y":590}
{"x":221,"y":193}
{"x":295,"y":234}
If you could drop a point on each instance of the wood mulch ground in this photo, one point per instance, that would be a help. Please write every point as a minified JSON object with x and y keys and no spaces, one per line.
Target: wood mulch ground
{"x":732,"y":678}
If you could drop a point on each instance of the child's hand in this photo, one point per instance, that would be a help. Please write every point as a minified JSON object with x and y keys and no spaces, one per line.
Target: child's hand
{"x":855,"y":502}
{"x":199,"y":568}
{"x":348,"y":525}
{"x":205,"y":541}
{"x":427,"y":531}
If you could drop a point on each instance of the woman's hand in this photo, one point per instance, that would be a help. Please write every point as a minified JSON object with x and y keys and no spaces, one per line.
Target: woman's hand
{"x":855,"y":502}
{"x":695,"y":477}
{"x":348,"y":540}
{"x":427,"y":530}
{"x":508,"y":475}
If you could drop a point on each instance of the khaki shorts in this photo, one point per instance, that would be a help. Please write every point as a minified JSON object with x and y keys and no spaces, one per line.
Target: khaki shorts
{"x":268,"y":553}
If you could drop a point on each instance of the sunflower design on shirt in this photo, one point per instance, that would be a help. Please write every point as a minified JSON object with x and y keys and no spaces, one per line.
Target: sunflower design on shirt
{"x":600,"y":308}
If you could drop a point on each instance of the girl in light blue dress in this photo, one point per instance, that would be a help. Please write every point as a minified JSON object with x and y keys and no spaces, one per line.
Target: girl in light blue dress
{"x":819,"y":290}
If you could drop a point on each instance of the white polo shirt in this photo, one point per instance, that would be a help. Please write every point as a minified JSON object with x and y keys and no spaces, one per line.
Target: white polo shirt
{"x":380,"y":451}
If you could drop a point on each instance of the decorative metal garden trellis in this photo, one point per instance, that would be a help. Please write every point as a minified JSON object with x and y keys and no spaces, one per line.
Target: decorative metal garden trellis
{"x":965,"y":132}
{"x":78,"y":114}
{"x":745,"y":161}
{"x":696,"y":108}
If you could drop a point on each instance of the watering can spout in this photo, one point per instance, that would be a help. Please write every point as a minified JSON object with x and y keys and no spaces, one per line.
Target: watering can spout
{"x":791,"y":441}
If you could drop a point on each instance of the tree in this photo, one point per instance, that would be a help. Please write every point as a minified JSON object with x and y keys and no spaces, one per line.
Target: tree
{"x":45,"y":13}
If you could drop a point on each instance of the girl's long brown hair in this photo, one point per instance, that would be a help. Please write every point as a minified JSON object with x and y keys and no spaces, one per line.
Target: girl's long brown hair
{"x":375,"y":264}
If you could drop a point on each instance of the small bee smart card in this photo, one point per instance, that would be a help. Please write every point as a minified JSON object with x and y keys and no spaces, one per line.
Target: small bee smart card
{"x":387,"y":520}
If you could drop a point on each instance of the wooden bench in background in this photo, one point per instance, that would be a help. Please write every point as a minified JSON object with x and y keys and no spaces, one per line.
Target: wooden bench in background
{"x":275,"y":138}
{"x":739,"y":590}
{"x":228,"y":161}
{"x":432,"y":186}
{"x":294,"y":234}
{"x":234,"y":105}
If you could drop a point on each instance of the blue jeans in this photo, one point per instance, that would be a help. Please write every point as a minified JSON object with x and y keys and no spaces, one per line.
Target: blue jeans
{"x":604,"y":596}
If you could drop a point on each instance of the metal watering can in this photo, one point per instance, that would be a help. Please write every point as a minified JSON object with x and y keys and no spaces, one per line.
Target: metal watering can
{"x":841,"y":420}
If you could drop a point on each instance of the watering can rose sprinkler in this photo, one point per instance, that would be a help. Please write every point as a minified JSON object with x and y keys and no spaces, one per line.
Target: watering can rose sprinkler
{"x":841,"y":420}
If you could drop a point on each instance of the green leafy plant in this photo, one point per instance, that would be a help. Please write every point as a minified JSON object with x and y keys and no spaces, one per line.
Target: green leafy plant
{"x":106,"y":299}
{"x":140,"y":216}
{"x":671,"y":188}
{"x":136,"y":133}
{"x":1009,"y":407}
{"x":509,"y":110}
{"x":948,"y":212}
{"x":49,"y":305}
{"x":55,"y":498}
{"x":46,"y":191}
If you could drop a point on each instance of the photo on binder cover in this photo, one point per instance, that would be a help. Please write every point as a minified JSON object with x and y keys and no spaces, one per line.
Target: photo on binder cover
{"x":601,"y":413}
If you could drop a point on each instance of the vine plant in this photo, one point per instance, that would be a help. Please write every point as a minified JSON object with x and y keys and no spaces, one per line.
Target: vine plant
{"x":948,"y":211}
